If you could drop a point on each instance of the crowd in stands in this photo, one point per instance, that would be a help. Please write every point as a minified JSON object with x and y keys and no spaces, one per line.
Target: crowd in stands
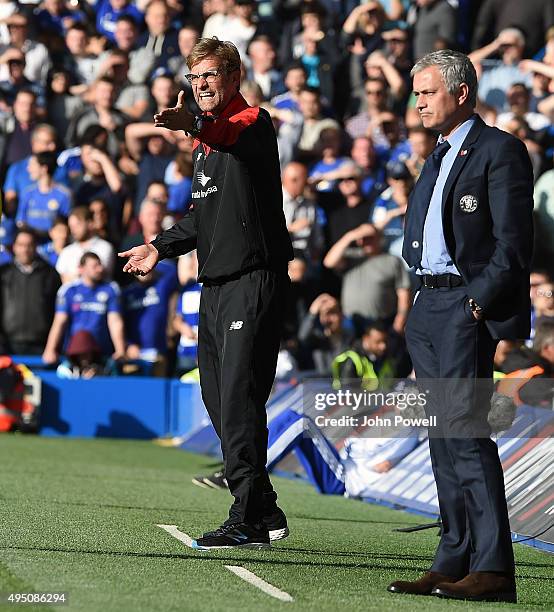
{"x":85,"y":173}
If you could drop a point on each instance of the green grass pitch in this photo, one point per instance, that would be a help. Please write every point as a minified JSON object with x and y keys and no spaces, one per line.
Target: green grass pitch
{"x":80,"y":516}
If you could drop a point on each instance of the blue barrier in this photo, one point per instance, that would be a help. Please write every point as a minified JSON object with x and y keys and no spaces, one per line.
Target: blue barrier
{"x":118,"y":407}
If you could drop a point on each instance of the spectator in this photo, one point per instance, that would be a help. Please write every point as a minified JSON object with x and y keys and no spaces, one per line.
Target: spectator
{"x":88,"y":304}
{"x":544,"y":219}
{"x":59,"y":239}
{"x":184,"y":144}
{"x":364,"y":26}
{"x":131,"y":99}
{"x":100,"y":212}
{"x":378,"y":67}
{"x":316,"y":48}
{"x":28,"y":289}
{"x":40,"y":205}
{"x":496,"y":76}
{"x":301,"y":294}
{"x":108,"y":12}
{"x":329,"y":148}
{"x":352,"y":209}
{"x":152,"y":149}
{"x":80,"y":62}
{"x":101,"y":112}
{"x":54,"y":19}
{"x":262,"y":67}
{"x":188,"y":37}
{"x":146,"y":305}
{"x":433,"y":21}
{"x":368,"y":361}
{"x":301,"y":214}
{"x":37,"y":59}
{"x":180,"y":191}
{"x":422,"y":142}
{"x":16,"y":80}
{"x":62,"y":105}
{"x":532,"y":382}
{"x":295,"y":79}
{"x":363,"y":154}
{"x":83,"y":358}
{"x":364,"y":123}
{"x":242,"y":25}
{"x":83,"y":241}
{"x":534,"y":17}
{"x":217,"y":18}
{"x":398,"y":52}
{"x":141,"y":59}
{"x":390,"y":143}
{"x":150,"y":218}
{"x":18,"y":179}
{"x":162,"y":90}
{"x":322,"y":333}
{"x":518,"y":98}
{"x":16,"y":129}
{"x":376,"y":285}
{"x":390,"y":207}
{"x":543,"y":302}
{"x":101,"y":180}
{"x":159,"y":37}
{"x":185,"y":321}
{"x":309,"y":102}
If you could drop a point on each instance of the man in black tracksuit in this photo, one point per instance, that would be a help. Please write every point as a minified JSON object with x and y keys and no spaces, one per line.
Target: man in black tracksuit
{"x":237,"y":225}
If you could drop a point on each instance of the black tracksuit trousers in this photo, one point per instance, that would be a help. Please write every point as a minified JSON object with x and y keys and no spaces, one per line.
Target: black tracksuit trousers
{"x":238,"y":341}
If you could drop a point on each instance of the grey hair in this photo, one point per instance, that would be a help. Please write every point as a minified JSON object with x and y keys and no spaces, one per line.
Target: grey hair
{"x":455,"y":68}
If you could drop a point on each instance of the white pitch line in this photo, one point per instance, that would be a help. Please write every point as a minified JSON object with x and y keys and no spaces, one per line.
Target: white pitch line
{"x":258,"y":582}
{"x":239,"y":571}
{"x":182,"y":537}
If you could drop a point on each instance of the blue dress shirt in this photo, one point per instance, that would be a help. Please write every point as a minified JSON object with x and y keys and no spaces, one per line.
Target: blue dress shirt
{"x":435,"y":258}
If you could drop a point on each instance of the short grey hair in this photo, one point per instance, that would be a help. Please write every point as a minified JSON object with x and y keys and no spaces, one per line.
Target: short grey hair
{"x":455,"y":68}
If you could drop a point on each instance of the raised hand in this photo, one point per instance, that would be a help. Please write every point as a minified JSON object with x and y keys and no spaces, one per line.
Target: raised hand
{"x":142,"y":259}
{"x":175,"y":118}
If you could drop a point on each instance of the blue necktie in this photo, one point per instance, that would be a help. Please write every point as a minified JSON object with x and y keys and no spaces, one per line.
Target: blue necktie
{"x":419,"y":204}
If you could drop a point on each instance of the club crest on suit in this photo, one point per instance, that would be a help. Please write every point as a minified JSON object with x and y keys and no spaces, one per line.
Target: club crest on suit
{"x":469,"y":203}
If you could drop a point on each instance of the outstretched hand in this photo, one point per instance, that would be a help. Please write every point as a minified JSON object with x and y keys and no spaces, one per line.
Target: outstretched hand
{"x":176,"y":118}
{"x":142,"y":259}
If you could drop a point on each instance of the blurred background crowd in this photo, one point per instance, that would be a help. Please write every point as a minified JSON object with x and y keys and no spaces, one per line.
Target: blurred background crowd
{"x":85,"y":174}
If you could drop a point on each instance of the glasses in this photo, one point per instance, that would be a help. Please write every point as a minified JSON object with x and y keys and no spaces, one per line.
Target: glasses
{"x":547,"y":294}
{"x":374,"y":92}
{"x":209,"y":76}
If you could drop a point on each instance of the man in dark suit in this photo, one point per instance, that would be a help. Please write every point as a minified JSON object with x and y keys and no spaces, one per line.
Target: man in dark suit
{"x":469,"y":236}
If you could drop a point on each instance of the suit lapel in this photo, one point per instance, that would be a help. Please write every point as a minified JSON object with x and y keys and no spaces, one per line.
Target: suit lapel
{"x":461,"y":159}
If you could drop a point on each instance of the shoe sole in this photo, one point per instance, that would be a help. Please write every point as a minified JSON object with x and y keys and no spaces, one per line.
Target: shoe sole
{"x":278,"y":534}
{"x":499,"y":597}
{"x":212,"y":485}
{"x":200,"y":483}
{"x":251,"y":545}
{"x":399,"y":591}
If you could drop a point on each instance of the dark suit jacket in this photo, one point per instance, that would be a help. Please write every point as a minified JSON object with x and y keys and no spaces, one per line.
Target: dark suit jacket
{"x":487,"y":210}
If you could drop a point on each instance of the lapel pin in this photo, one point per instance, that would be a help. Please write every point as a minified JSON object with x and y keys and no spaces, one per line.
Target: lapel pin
{"x":463,"y":152}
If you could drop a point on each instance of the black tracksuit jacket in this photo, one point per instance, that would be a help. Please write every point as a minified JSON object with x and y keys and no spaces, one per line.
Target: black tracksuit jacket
{"x":236,"y":221}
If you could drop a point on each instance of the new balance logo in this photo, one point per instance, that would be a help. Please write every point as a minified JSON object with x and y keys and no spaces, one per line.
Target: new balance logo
{"x":236,"y":325}
{"x":203,"y":179}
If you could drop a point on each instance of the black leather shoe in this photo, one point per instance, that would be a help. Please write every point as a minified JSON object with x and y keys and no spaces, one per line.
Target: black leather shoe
{"x":422,"y":586}
{"x":479,"y":586}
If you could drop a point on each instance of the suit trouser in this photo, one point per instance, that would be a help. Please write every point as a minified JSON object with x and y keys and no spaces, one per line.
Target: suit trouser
{"x":238,"y":342}
{"x":445,"y":341}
